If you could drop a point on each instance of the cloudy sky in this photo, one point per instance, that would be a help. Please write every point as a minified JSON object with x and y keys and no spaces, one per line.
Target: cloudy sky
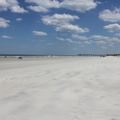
{"x":61,"y":27}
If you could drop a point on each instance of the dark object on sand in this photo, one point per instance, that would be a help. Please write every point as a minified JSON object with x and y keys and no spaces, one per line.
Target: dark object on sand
{"x":20,"y":58}
{"x":102,"y":56}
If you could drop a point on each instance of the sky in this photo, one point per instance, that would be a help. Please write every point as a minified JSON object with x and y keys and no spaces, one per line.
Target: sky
{"x":59,"y":27}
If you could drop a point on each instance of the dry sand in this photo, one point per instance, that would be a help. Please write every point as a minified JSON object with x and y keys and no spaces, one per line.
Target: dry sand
{"x":60,"y":88}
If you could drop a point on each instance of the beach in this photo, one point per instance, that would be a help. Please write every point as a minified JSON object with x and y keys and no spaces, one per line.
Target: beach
{"x":60,"y":88}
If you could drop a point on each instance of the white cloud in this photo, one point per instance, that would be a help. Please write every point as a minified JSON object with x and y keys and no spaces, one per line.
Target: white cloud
{"x":45,"y":3}
{"x":99,"y":37}
{"x":18,"y":9}
{"x":76,"y":5}
{"x":19,"y":19}
{"x":61,"y":39}
{"x":79,"y":37}
{"x":12,"y":5}
{"x":62,"y":23}
{"x":58,"y":19}
{"x":64,"y":34}
{"x":4,"y":23}
{"x":118,"y":34}
{"x":69,"y":40}
{"x":111,"y":44}
{"x":6,"y":37}
{"x":79,"y":42}
{"x":87,"y":42}
{"x":38,"y":8}
{"x":112,"y":27}
{"x":79,"y":5}
{"x":105,"y":38}
{"x":114,"y":40}
{"x":39,"y":33}
{"x":98,"y":2}
{"x":101,"y":42}
{"x":110,"y":16}
{"x":43,"y":6}
{"x":71,"y":28}
{"x":50,"y":43}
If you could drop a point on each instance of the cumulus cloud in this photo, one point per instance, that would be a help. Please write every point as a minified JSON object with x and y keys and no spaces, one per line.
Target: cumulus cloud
{"x":114,"y":40}
{"x":101,"y":42}
{"x":87,"y":42}
{"x":111,"y":44}
{"x":71,"y":28}
{"x":79,"y":5}
{"x":112,"y":27}
{"x":38,"y":8}
{"x":4,"y":23}
{"x":12,"y":5}
{"x":19,"y":19}
{"x":46,"y":3}
{"x":105,"y":38}
{"x":118,"y":34}
{"x":43,"y":6}
{"x":79,"y":37}
{"x":110,"y":16}
{"x":99,"y":37}
{"x":18,"y":9}
{"x":58,"y":19}
{"x":96,"y":39}
{"x":76,"y":5}
{"x":61,"y":39}
{"x":6,"y":37}
{"x":62,"y":23}
{"x":68,"y":40}
{"x":71,"y":41}
{"x":39,"y":33}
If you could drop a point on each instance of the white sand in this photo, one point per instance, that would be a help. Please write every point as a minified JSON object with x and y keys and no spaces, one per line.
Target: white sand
{"x":60,"y":88}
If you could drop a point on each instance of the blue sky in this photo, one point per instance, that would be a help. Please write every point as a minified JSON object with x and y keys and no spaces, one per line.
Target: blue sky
{"x":60,"y":27}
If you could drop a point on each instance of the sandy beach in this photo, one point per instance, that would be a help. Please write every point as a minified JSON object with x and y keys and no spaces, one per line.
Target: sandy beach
{"x":60,"y":88}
